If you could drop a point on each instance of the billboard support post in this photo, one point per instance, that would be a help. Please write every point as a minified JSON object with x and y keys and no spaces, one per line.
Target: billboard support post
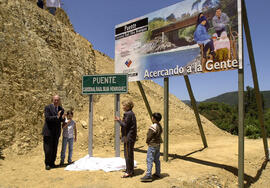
{"x":194,"y":106}
{"x":166,"y":119}
{"x":145,"y":99}
{"x":255,"y":80}
{"x":241,"y":128}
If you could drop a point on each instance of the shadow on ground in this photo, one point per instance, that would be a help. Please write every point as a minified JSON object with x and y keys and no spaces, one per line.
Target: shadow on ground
{"x":1,"y":155}
{"x":247,"y":178}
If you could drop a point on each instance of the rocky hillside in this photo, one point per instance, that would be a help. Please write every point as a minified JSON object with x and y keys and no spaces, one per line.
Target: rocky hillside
{"x":42,"y":55}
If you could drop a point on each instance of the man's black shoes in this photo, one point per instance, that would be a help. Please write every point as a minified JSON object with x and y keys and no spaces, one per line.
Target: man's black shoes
{"x":47,"y":167}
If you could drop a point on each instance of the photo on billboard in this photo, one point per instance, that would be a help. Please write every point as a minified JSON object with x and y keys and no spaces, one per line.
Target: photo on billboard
{"x":192,"y":36}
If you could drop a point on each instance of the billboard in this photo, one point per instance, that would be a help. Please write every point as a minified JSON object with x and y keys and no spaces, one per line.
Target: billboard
{"x":192,"y":36}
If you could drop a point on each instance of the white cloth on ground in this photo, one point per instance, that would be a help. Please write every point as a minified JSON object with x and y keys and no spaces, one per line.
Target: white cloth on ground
{"x":97,"y":163}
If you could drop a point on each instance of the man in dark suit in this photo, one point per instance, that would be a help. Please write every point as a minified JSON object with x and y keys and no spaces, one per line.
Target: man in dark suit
{"x":52,"y":130}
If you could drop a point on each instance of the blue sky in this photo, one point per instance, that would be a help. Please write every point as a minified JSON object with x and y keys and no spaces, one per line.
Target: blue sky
{"x":96,"y":20}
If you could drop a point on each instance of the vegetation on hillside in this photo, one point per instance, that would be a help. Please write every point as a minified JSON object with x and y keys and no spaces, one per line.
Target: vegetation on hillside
{"x":225,"y":116}
{"x":231,"y":98}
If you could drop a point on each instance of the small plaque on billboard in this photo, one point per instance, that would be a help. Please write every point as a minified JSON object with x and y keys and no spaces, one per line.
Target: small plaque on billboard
{"x":105,"y":84}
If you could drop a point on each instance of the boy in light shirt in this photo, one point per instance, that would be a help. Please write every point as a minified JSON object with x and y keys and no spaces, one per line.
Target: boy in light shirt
{"x":69,"y":136}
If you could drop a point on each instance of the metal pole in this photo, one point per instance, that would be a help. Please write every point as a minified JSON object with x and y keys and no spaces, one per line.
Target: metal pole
{"x":241,"y":140}
{"x":241,"y":128}
{"x":255,"y":80}
{"x":90,"y":133}
{"x":117,"y":126}
{"x":145,"y":99}
{"x":194,"y":106}
{"x":166,"y":119}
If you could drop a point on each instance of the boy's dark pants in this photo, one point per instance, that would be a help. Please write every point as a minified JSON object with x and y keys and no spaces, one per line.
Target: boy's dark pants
{"x":129,"y":156}
{"x":50,"y":144}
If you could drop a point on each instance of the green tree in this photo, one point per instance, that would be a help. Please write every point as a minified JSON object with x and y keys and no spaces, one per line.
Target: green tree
{"x":222,"y":115}
{"x":226,"y":117}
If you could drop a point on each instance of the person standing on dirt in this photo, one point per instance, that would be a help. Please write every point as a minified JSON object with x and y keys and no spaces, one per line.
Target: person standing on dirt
{"x":153,"y":141}
{"x":69,"y":137}
{"x":52,"y":130}
{"x":129,"y":133}
{"x":220,"y":20}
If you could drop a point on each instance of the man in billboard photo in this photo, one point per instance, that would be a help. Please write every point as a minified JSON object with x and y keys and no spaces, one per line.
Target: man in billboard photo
{"x":219,"y":21}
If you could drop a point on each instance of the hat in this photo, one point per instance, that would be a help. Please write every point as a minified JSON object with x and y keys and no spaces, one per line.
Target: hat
{"x":202,"y":19}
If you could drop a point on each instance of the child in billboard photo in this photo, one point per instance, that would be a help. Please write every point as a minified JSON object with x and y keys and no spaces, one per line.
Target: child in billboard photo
{"x":69,"y":136}
{"x":222,"y":46}
{"x":153,"y":141}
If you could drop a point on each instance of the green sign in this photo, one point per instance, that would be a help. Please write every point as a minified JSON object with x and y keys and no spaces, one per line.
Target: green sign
{"x":105,"y":84}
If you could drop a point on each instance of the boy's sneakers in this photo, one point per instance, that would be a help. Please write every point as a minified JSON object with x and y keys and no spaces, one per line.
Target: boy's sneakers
{"x":146,"y":179}
{"x":157,"y":176}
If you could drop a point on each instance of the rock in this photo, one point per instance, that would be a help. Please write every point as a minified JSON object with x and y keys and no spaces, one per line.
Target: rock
{"x":84,"y":124}
{"x":101,"y":118}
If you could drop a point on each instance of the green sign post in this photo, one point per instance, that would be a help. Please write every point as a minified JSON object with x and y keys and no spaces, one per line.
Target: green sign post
{"x":105,"y":84}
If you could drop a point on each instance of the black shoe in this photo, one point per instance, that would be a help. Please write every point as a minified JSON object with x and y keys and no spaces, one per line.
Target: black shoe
{"x":70,"y":162}
{"x":158,"y":176}
{"x":47,"y":167}
{"x":146,"y":179}
{"x":53,"y":166}
{"x":61,"y":163}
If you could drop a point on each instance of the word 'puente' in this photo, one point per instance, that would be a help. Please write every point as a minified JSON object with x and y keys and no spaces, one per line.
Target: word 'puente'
{"x":104,"y":80}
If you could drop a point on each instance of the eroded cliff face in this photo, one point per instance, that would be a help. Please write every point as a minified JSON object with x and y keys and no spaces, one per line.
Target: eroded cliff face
{"x":42,"y":55}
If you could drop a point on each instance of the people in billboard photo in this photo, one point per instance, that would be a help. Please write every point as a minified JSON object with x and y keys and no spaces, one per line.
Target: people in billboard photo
{"x":192,"y":36}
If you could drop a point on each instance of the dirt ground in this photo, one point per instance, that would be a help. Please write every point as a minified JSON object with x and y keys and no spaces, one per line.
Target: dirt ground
{"x":189,"y":165}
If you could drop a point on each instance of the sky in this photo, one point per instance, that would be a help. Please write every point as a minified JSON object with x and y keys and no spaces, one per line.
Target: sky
{"x":96,"y":20}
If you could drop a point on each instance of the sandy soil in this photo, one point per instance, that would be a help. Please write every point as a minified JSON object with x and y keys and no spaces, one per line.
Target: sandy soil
{"x":189,"y":165}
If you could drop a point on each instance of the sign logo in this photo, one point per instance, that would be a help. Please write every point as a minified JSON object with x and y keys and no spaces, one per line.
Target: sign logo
{"x":128,"y":63}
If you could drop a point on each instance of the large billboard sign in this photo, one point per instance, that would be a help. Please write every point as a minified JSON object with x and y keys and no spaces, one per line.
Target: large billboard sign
{"x":192,"y":36}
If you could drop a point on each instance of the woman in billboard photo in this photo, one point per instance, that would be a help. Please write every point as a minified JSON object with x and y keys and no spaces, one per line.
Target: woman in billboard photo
{"x":200,"y":16}
{"x":203,"y":39}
